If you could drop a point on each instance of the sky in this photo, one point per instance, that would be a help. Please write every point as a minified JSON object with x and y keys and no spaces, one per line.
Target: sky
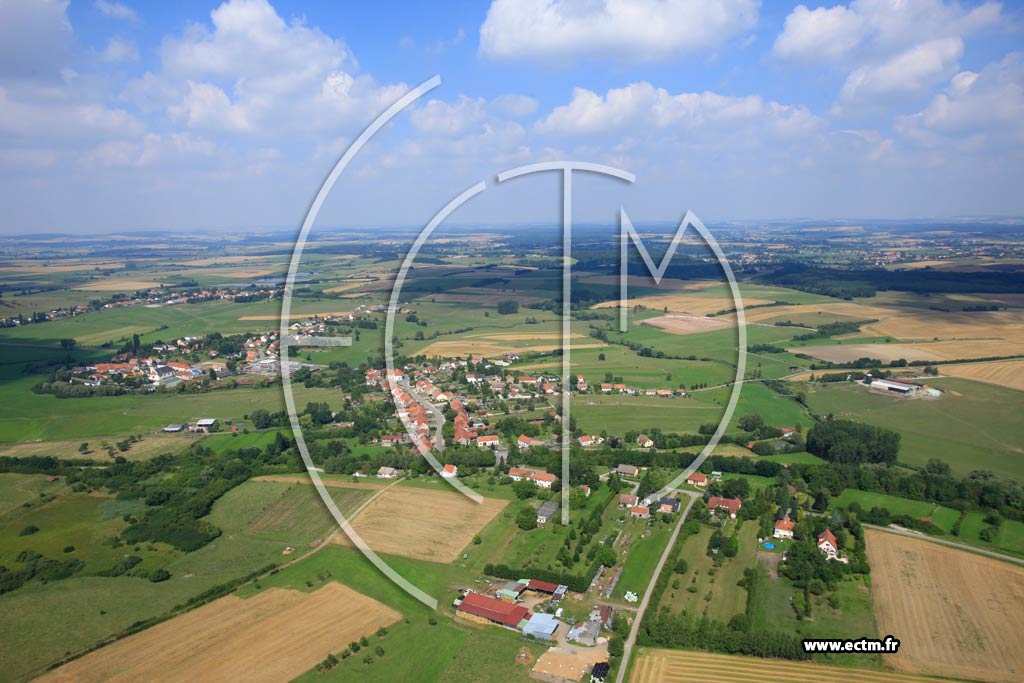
{"x":122,"y":116}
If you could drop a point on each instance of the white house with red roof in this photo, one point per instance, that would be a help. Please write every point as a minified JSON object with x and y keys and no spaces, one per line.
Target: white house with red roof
{"x":697,"y":479}
{"x":783,"y":529}
{"x":450,"y":471}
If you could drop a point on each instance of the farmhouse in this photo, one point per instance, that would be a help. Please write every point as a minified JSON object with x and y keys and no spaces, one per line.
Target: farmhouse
{"x":644,"y":441}
{"x":543,"y":479}
{"x":627,"y":500}
{"x":524,"y":442}
{"x":640,"y":512}
{"x":484,"y":609}
{"x":783,"y":529}
{"x":387,"y":473}
{"x":586,"y":441}
{"x":627,"y":470}
{"x":488,"y":441}
{"x":697,"y":479}
{"x":546,"y":511}
{"x":730,"y":505}
{"x":450,"y":471}
{"x":518,"y":473}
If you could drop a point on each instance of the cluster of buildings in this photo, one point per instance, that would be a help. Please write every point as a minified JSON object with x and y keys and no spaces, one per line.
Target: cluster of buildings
{"x":542,"y":480}
{"x":153,"y":371}
{"x":900,"y":387}
{"x":608,"y":388}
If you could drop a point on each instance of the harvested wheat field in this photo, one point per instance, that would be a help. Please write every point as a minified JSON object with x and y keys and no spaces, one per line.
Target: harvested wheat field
{"x":921,"y":324}
{"x":115,"y":285}
{"x":465,"y":346}
{"x":422,"y":524}
{"x":271,"y":637}
{"x":955,"y":613}
{"x":677,"y":323}
{"x":693,"y":304}
{"x":1005,"y":373}
{"x":942,"y":350}
{"x":293,"y":315}
{"x":680,"y":666}
{"x":327,"y":481}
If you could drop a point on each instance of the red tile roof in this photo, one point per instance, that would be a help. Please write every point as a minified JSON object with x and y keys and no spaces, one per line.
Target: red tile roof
{"x":827,"y":535}
{"x":545,"y":586}
{"x":504,"y":613}
{"x":733,"y":505}
{"x":785,"y":525}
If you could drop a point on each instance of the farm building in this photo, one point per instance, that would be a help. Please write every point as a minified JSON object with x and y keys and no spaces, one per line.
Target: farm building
{"x":640,"y":512}
{"x":894,"y":385}
{"x":627,"y":470}
{"x":585,"y":632}
{"x":174,"y":428}
{"x":730,"y":505}
{"x":627,"y":500}
{"x":543,"y":479}
{"x":387,"y":472}
{"x":511,"y":591}
{"x":644,"y":441}
{"x":541,"y":626}
{"x":450,"y":471}
{"x":488,"y":441}
{"x":206,"y":424}
{"x":556,"y":591}
{"x":591,"y":440}
{"x":524,"y":442}
{"x":484,"y":609}
{"x":546,"y":511}
{"x":697,"y":479}
{"x":783,"y":529}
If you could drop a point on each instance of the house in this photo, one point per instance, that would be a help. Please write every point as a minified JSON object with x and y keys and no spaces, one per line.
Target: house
{"x":585,"y":632}
{"x":543,"y":480}
{"x":586,"y":490}
{"x":485,"y":609}
{"x":387,"y":472}
{"x":488,"y":441}
{"x":783,"y":529}
{"x":204,"y":425}
{"x":450,"y":471}
{"x":640,"y":512}
{"x":827,"y":544}
{"x":606,"y":612}
{"x":546,"y":511}
{"x":730,"y":505}
{"x":644,"y":441}
{"x":627,"y":500}
{"x":586,"y":441}
{"x":391,"y":439}
{"x":669,"y":505}
{"x":519,"y":473}
{"x":697,"y":479}
{"x":627,"y":470}
{"x":528,"y":442}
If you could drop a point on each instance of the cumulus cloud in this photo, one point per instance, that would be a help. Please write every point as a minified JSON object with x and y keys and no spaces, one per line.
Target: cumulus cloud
{"x":822,"y":33}
{"x":116,"y":10}
{"x":35,"y":38}
{"x":49,"y":119}
{"x":911,"y":71}
{"x":641,"y":106}
{"x":986,"y":107}
{"x":120,"y":50}
{"x":633,"y":30}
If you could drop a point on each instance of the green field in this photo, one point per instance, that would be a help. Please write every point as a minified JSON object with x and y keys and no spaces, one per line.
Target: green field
{"x":941,"y":517}
{"x":974,"y":426}
{"x":643,"y":557}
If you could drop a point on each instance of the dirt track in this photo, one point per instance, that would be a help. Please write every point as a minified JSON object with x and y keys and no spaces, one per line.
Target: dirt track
{"x":271,"y":637}
{"x":955,"y":613}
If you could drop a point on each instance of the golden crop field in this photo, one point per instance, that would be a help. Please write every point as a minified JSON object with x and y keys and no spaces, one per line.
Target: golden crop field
{"x":681,"y":666}
{"x":271,"y":637}
{"x":422,"y":524}
{"x":955,"y":613}
{"x":1005,"y":373}
{"x":688,"y":324}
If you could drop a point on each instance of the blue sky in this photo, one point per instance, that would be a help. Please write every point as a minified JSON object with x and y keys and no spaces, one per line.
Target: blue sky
{"x":130,"y":115}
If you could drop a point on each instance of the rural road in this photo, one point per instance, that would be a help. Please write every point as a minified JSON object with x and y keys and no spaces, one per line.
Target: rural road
{"x":433,"y":410}
{"x":952,"y":544}
{"x":631,"y":641}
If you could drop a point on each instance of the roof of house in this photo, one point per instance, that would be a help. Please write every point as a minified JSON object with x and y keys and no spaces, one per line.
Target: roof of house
{"x":785,"y":525}
{"x":827,"y":535}
{"x":488,"y":438}
{"x":543,"y":476}
{"x":628,"y":468}
{"x":491,"y":608}
{"x":731,"y":504}
{"x":450,"y":469}
{"x":639,"y":510}
{"x":627,"y":498}
{"x":697,"y":476}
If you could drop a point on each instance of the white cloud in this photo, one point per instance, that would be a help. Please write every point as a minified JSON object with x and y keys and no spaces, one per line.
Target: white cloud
{"x":208,"y":107}
{"x":35,"y":38}
{"x":120,"y":50}
{"x":877,"y":28}
{"x":630,"y":30}
{"x":60,"y":119}
{"x":148,"y":151}
{"x":822,"y":33}
{"x":437,"y":117}
{"x":514,"y":106}
{"x":986,"y":107}
{"x":640,"y":107}
{"x":116,"y":10}
{"x":911,"y":71}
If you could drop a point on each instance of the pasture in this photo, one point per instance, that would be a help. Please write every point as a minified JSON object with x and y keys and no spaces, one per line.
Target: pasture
{"x":956,"y":613}
{"x":973,"y":426}
{"x":271,"y":637}
{"x":940,"y":516}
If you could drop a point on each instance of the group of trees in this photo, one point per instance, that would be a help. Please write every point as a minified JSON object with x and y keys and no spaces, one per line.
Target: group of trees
{"x":849,"y":442}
